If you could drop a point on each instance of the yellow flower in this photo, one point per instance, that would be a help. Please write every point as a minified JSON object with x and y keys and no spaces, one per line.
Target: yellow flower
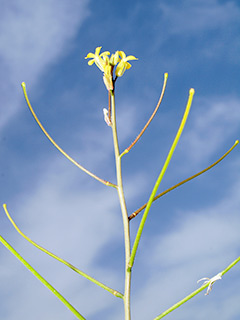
{"x":123,"y":64}
{"x":100,"y":59}
{"x":114,"y":58}
{"x":106,"y":64}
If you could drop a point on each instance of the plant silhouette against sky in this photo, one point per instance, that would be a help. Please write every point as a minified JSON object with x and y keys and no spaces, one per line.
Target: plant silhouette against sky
{"x":114,"y":66}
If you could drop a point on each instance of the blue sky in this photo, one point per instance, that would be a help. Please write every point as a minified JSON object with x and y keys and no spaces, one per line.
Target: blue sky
{"x":192,"y":232}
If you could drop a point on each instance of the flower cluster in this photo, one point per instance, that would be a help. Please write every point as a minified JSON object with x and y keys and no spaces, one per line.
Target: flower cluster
{"x":106,"y":64}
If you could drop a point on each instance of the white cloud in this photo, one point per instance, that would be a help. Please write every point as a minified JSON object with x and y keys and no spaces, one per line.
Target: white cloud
{"x":193,"y":17}
{"x":213,"y":123}
{"x":55,"y":210}
{"x":62,"y":217}
{"x":210,"y":27}
{"x":199,"y":244}
{"x":76,"y":218}
{"x":33,"y":35}
{"x":56,"y":214}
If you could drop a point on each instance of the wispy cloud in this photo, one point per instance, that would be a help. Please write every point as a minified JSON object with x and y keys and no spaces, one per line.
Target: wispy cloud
{"x":33,"y":35}
{"x":214,"y":123}
{"x":190,"y":17}
{"x":64,"y":210}
{"x":76,"y":219}
{"x":199,"y":243}
{"x":211,"y":27}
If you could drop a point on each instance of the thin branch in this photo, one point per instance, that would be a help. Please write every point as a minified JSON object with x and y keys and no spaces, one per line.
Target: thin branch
{"x":39,"y":277}
{"x":107,"y":183}
{"x":100,"y":284}
{"x":135,"y":213}
{"x":150,"y":119}
{"x":194,"y":293}
{"x":160,"y":177}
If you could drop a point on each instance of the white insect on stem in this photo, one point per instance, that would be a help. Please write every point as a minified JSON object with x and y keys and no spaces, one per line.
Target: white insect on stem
{"x":211,"y":282}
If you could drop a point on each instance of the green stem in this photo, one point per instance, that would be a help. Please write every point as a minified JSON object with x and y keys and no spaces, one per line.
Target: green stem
{"x":194,"y":293}
{"x":100,"y":284}
{"x":230,"y":266}
{"x":123,"y":210}
{"x":45,"y":282}
{"x":135,"y":213}
{"x":150,"y":119}
{"x":107,"y":183}
{"x":160,"y":177}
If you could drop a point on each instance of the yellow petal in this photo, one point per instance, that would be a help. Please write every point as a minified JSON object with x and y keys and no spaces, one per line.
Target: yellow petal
{"x":97,"y":51}
{"x":121,"y":67}
{"x":90,"y":55}
{"x":105,"y":53}
{"x":130,"y":58}
{"x":127,"y":65}
{"x":114,"y":58}
{"x":90,"y":62}
{"x":122,"y":54}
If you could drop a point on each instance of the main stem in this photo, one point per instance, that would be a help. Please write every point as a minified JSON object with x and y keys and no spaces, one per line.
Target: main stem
{"x":124,"y":211}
